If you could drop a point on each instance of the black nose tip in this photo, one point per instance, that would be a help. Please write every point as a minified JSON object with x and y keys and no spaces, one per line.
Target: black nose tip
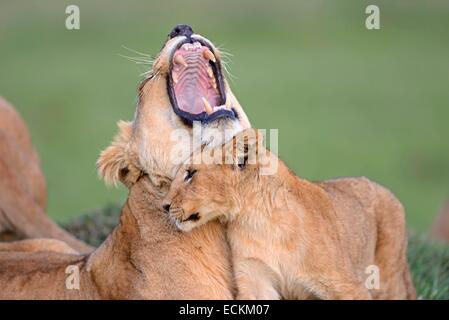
{"x":181,"y":30}
{"x":166,"y":207}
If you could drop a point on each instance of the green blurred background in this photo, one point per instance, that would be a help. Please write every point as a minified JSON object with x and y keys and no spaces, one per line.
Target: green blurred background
{"x":347,"y":101}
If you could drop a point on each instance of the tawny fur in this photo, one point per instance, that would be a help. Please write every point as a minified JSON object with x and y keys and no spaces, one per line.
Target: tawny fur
{"x":23,"y":192}
{"x":291,"y":238}
{"x":37,"y":245}
{"x":145,"y":257}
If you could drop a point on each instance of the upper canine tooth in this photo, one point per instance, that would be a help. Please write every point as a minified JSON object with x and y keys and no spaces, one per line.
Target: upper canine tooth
{"x":180,"y":60}
{"x":209,"y":55}
{"x":207,"y":106}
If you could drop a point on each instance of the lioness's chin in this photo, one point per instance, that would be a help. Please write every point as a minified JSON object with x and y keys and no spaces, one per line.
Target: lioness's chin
{"x":220,"y":131}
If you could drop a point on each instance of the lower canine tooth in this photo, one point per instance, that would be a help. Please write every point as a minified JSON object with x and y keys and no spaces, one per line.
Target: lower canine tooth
{"x":228,"y":104}
{"x":210,"y":73}
{"x":179,"y":59}
{"x":209,"y":55}
{"x":207,"y":106}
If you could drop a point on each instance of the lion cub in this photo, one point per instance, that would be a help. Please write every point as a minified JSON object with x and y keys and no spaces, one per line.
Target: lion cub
{"x":290,"y":238}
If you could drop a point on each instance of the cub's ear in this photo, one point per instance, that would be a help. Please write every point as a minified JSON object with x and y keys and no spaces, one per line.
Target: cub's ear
{"x":244,"y":147}
{"x":115,"y":162}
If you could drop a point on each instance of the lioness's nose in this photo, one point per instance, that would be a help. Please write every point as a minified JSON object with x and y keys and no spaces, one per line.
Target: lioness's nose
{"x":166,"y":207}
{"x":181,"y":30}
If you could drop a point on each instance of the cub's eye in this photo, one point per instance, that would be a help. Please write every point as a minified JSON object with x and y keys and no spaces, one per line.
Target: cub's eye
{"x":189,"y":175}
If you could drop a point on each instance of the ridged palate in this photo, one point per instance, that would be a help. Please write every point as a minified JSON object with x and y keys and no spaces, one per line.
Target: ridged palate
{"x":194,"y":81}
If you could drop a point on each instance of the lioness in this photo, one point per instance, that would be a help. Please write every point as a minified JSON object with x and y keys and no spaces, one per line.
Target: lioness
{"x":143,"y":258}
{"x":292,"y":238}
{"x":23,"y":192}
{"x":185,"y":86}
{"x":146,"y":257}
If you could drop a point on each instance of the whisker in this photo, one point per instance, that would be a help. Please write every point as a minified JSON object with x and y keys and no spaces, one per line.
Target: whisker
{"x":146,"y":74}
{"x":225,"y":66}
{"x":176,"y":210}
{"x":136,"y":59}
{"x":135,"y":51}
{"x":224,"y":51}
{"x":226,"y":61}
{"x":145,"y":62}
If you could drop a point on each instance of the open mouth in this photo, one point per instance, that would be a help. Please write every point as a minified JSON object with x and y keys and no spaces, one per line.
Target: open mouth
{"x":195,"y":83}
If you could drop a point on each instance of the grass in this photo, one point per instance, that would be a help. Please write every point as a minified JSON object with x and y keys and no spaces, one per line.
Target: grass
{"x":429,"y":261}
{"x":429,"y":264}
{"x":347,"y":101}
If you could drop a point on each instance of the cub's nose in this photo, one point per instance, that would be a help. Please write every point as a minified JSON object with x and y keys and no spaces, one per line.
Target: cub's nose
{"x":166,"y":207}
{"x":181,"y":30}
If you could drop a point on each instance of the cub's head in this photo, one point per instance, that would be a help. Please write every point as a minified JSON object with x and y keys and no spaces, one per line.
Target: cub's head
{"x":214,"y":181}
{"x":185,"y":86}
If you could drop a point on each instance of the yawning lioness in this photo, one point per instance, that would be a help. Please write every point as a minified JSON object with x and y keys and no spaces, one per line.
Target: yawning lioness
{"x":145,"y":257}
{"x":185,"y":85}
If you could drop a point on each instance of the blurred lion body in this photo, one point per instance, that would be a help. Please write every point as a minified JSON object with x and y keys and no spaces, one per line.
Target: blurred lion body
{"x":36,"y":245}
{"x":23,"y":192}
{"x":296,"y":239}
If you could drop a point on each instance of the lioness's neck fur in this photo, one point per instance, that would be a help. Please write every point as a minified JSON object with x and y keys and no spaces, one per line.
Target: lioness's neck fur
{"x":143,"y":258}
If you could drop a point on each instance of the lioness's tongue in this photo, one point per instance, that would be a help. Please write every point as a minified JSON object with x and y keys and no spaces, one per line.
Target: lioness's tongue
{"x":193,"y":78}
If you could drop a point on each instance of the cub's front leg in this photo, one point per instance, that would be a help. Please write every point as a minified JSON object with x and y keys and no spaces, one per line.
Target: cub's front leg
{"x":255,"y":280}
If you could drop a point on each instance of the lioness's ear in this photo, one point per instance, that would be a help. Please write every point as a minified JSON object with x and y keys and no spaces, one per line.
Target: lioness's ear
{"x":114,"y":163}
{"x":244,"y":147}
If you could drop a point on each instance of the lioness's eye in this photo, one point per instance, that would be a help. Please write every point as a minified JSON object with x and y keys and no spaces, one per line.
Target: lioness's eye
{"x":189,"y":175}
